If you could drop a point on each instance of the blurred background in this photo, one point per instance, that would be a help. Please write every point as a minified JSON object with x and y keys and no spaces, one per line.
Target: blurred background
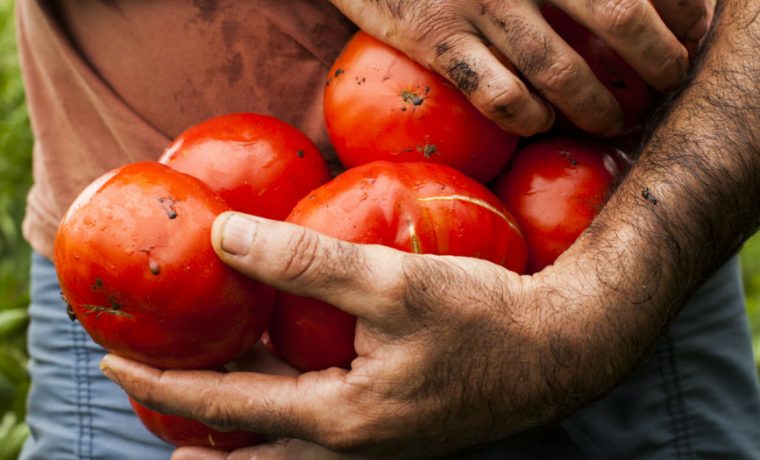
{"x":15,"y":167}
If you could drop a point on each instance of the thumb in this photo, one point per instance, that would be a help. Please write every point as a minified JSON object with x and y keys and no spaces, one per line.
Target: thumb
{"x":364,"y":280}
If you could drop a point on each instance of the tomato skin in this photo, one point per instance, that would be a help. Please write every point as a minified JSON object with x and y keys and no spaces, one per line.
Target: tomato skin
{"x":554,"y":188}
{"x":412,"y":207}
{"x":185,"y":432}
{"x":135,"y":263}
{"x":260,"y":165}
{"x":633,"y":93}
{"x":381,"y":105}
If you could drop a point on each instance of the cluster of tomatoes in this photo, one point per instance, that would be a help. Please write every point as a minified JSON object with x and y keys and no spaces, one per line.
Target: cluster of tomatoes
{"x":133,"y":252}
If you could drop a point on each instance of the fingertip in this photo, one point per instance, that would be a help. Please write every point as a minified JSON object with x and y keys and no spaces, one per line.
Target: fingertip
{"x":106,"y":366}
{"x":698,"y":30}
{"x":232,"y":233}
{"x":515,"y":109}
{"x":551,"y":114}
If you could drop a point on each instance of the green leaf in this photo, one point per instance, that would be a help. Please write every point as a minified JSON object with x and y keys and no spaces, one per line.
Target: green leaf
{"x":13,"y":433}
{"x":13,"y":321}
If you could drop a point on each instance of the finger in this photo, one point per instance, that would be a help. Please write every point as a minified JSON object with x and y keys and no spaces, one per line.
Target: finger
{"x":307,"y":263}
{"x":687,"y":19}
{"x":271,"y":405}
{"x":492,"y":88}
{"x":284,"y":449}
{"x":200,"y":453}
{"x":635,"y":31}
{"x":259,"y":359}
{"x":552,"y":66}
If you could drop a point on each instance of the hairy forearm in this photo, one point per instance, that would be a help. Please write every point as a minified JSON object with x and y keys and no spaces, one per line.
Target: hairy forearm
{"x":685,"y":207}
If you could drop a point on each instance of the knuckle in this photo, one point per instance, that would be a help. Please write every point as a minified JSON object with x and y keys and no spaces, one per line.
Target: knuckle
{"x":343,"y":441}
{"x":506,"y":102}
{"x":217,"y":414}
{"x":424,"y":277}
{"x":561,"y":78}
{"x":620,"y":16}
{"x":301,"y":255}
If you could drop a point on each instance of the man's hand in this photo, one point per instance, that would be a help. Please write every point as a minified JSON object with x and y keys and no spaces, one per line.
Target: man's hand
{"x":452,"y":38}
{"x":451,"y":351}
{"x":456,"y":351}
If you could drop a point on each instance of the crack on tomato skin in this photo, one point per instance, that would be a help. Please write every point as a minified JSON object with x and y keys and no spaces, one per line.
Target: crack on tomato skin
{"x":414,"y":238}
{"x":114,"y":309}
{"x":167,"y":204}
{"x":98,"y":310}
{"x":475,"y":201}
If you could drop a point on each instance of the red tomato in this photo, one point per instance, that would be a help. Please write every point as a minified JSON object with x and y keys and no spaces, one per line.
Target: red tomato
{"x":258,"y":164}
{"x":413,"y":207}
{"x":135,"y":263}
{"x":632,"y":92}
{"x":554,"y":188}
{"x":182,"y":432}
{"x":381,"y":105}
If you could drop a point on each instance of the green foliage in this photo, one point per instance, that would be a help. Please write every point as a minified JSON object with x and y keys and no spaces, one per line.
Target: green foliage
{"x":15,"y":178}
{"x":13,"y":432}
{"x":751,"y":273}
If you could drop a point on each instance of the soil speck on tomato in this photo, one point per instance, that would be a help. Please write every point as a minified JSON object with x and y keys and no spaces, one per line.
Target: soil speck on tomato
{"x":154,"y":267}
{"x":168,"y":206}
{"x":428,"y":150}
{"x":69,"y":311}
{"x":98,"y":285}
{"x":338,"y":72}
{"x":300,"y":153}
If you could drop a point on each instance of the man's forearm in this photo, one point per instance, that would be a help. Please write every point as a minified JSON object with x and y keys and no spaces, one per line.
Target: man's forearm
{"x":686,"y":206}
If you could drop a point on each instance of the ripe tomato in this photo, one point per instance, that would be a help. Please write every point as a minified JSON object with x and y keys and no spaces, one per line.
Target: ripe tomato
{"x":634,"y":95}
{"x":413,"y":207}
{"x":381,"y":105}
{"x":257,"y":163}
{"x":182,"y":432}
{"x":554,"y":188}
{"x":135,"y":263}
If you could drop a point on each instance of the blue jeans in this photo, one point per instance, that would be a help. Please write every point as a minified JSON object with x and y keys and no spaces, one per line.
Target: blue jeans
{"x":74,"y":412}
{"x":695,"y":396}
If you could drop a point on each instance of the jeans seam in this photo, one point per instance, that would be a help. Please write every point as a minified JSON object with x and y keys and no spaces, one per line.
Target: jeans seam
{"x":84,"y":445}
{"x":671,"y":381}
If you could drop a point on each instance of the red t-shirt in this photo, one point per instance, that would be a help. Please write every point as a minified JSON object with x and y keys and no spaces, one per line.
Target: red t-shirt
{"x":111,"y":82}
